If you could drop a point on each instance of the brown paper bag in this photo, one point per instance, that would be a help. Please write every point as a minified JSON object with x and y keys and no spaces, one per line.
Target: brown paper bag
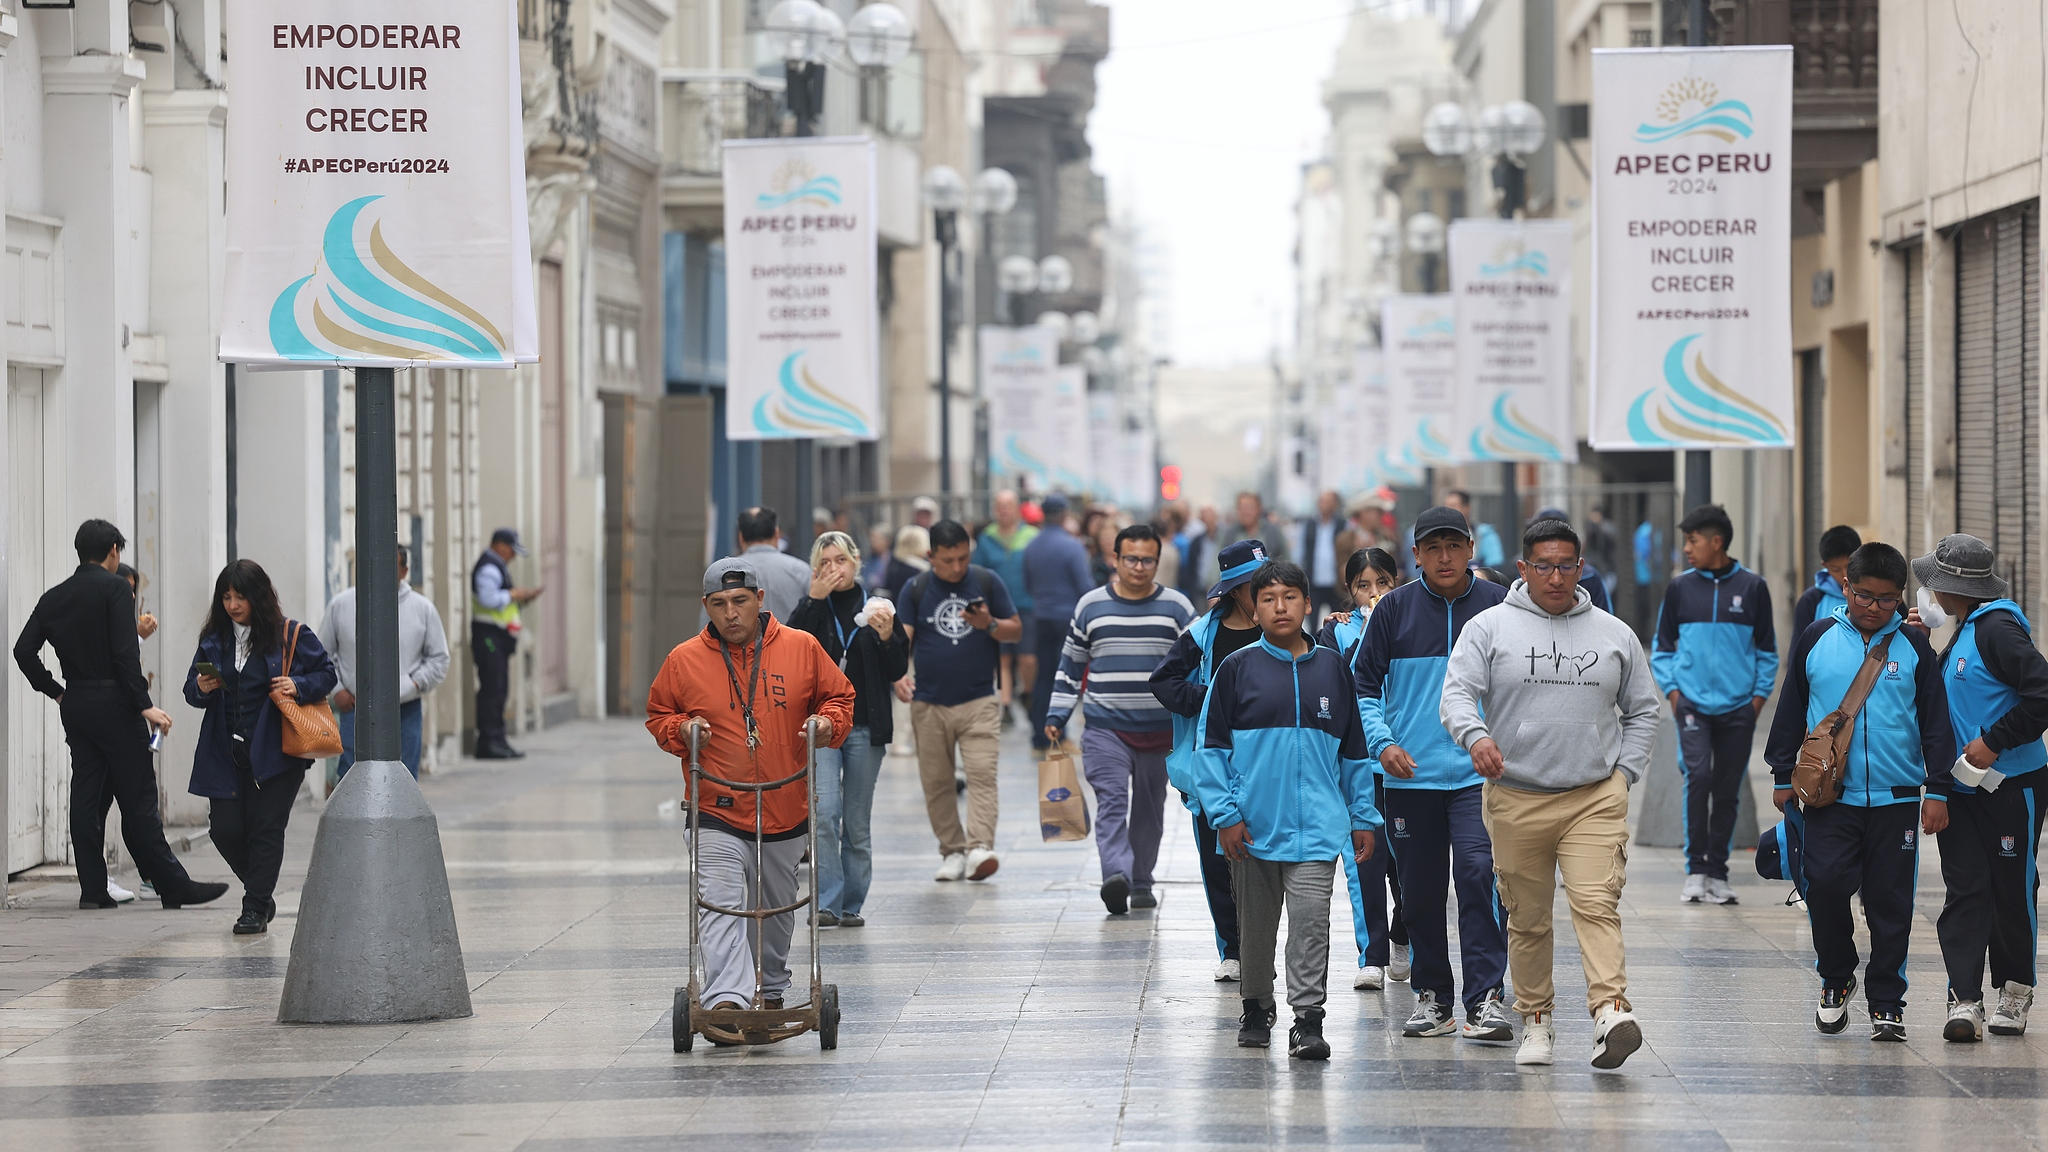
{"x":1062,"y":813}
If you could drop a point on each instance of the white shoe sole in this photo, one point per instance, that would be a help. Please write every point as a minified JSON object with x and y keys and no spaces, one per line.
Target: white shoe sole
{"x":2007,"y":1027}
{"x":1443,"y":1029}
{"x":1366,"y":981}
{"x":1536,"y":1059}
{"x":1618,"y":1045}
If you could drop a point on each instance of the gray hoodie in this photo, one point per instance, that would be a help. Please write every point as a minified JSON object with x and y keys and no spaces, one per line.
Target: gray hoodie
{"x":1568,"y":698}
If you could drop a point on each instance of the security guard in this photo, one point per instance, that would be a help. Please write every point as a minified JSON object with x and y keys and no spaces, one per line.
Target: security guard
{"x":493,"y":637}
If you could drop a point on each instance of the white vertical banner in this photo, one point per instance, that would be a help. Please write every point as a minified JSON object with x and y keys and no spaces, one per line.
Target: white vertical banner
{"x":1419,"y":338}
{"x":1105,"y":441}
{"x":1512,"y":283}
{"x":1073,"y":468}
{"x":802,"y":347}
{"x":1136,"y":470}
{"x":1692,"y":248}
{"x":1385,"y":462}
{"x":1343,"y":453}
{"x":1018,"y":375}
{"x":376,"y":187}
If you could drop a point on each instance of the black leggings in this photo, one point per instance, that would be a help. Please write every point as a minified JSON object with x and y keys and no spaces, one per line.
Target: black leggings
{"x":249,"y":831}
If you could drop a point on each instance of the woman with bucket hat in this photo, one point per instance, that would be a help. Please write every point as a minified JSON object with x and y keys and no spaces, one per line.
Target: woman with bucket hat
{"x":1998,"y":704}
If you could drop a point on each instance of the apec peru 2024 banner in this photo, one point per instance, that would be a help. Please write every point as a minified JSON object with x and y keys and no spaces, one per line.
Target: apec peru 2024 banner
{"x":1692,"y":293}
{"x":376,"y":187}
{"x":1020,"y":376}
{"x":1512,"y":280}
{"x":1419,"y":339}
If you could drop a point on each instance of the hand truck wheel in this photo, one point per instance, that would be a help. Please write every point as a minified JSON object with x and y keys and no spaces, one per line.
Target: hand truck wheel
{"x":828,"y":1018}
{"x":684,"y":1037}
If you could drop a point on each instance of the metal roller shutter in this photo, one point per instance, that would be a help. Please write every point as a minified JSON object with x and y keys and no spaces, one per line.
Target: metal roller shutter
{"x":1998,"y":392}
{"x":1916,"y":402}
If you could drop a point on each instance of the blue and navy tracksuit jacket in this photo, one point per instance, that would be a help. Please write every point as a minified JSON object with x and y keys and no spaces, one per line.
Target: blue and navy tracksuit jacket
{"x":1715,"y":641}
{"x":1181,"y":683}
{"x":1997,"y":688}
{"x":1903,"y":740}
{"x":1818,"y":601}
{"x":1399,"y":677}
{"x":1284,"y":752}
{"x":1343,"y":639}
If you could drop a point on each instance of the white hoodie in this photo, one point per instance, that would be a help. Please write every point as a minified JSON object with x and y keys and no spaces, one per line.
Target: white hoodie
{"x":1568,"y":698}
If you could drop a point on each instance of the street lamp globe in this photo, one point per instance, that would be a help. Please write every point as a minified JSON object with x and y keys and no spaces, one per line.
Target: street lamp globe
{"x":1087,"y":328}
{"x":1057,"y":321}
{"x":1017,"y":274}
{"x":879,"y":36}
{"x":802,"y":29}
{"x":1055,"y":274}
{"x":1425,"y":234}
{"x":1386,"y":238}
{"x":944,"y":191}
{"x":1521,"y":129}
{"x":1447,"y":130}
{"x":995,"y":190}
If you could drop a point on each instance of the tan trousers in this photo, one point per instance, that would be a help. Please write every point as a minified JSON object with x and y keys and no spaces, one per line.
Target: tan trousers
{"x":975,"y":726}
{"x":1582,"y":833}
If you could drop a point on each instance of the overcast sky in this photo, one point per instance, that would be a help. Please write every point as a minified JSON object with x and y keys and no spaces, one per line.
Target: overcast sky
{"x":1205,"y":112}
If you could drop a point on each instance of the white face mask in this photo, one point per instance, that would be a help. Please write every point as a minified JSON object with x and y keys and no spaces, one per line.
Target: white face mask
{"x":1930,"y":612}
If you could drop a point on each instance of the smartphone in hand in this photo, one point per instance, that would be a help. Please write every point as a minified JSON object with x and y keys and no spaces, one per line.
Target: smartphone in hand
{"x":206,"y":668}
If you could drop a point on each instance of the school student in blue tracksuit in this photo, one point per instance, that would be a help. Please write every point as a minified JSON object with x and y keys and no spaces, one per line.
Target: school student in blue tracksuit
{"x":1715,"y":659}
{"x":1867,"y":841}
{"x":1997,"y":686}
{"x":1434,"y":823}
{"x":1369,"y":574}
{"x":1285,"y":777}
{"x":1831,"y":583}
{"x":1181,"y":683}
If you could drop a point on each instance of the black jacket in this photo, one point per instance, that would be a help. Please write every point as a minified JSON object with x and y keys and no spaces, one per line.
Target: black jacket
{"x":874,"y":663}
{"x":90,"y":620}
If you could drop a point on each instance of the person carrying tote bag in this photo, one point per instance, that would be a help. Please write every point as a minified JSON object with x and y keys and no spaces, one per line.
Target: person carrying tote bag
{"x":251,"y":659}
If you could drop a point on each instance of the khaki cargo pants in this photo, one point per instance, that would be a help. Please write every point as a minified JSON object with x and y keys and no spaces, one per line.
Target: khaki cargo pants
{"x":975,"y":727}
{"x":1582,"y":833}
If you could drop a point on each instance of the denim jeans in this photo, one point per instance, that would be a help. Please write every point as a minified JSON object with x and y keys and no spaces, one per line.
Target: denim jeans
{"x":409,"y":724}
{"x":846,"y":805}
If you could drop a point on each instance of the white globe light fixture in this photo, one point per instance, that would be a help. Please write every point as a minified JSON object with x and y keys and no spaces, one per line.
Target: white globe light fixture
{"x":879,"y":36}
{"x":1057,"y":321}
{"x":1017,"y":274}
{"x":1520,"y":129}
{"x":1447,"y":130}
{"x":1386,"y":238}
{"x":1087,"y":328}
{"x":1055,"y":275}
{"x":944,"y":191}
{"x":1487,"y":133}
{"x":802,"y":30}
{"x":995,"y":190}
{"x":1425,"y":234}
{"x":831,"y":34}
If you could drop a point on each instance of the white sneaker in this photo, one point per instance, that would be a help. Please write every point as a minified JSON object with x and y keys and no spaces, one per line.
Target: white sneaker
{"x":2011,"y":1017}
{"x":1616,"y":1035}
{"x":1229,"y":970}
{"x":953,"y":867}
{"x":1398,"y":967}
{"x":1539,"y":1041}
{"x":1695,"y":889}
{"x":121,"y":895}
{"x":1490,"y":1022}
{"x":1719,"y":891}
{"x":1965,"y":1022}
{"x":981,"y":864}
{"x":1370,"y":978}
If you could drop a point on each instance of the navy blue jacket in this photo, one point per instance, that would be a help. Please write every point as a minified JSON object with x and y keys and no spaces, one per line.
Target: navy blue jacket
{"x":1399,"y":677}
{"x":1820,"y":600}
{"x":1284,"y":753}
{"x":1902,"y":740}
{"x":1055,"y":574}
{"x":1715,"y":641}
{"x":213,"y":761}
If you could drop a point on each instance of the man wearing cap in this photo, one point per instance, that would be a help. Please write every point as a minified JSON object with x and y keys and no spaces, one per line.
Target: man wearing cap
{"x":1434,"y":809}
{"x":750,"y":688}
{"x":1998,"y":706}
{"x":493,"y":637}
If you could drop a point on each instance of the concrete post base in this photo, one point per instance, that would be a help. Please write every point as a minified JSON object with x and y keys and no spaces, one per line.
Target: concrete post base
{"x":1660,"y":800}
{"x":376,"y":940}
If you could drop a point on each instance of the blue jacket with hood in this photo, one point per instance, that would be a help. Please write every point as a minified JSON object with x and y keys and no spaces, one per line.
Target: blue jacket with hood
{"x":1716,"y":643}
{"x":1181,"y":684}
{"x":1998,"y":689}
{"x":1818,"y":601}
{"x":1902,"y":741}
{"x":1399,"y":677}
{"x":1284,"y":752}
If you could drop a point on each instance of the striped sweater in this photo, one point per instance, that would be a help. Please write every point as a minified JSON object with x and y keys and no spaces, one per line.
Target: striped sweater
{"x":1114,"y":644}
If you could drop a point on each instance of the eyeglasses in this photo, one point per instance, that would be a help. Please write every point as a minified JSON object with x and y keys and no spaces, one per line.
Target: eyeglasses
{"x":1543,"y":571}
{"x":1139,"y":561}
{"x":1887,"y":603}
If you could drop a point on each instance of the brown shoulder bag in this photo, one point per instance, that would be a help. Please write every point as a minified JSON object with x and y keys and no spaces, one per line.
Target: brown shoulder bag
{"x":1824,"y":753}
{"x":309,"y":729}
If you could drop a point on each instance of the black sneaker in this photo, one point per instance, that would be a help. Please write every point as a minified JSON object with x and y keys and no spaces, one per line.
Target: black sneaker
{"x":1143,"y":898}
{"x":1305,"y":1040}
{"x":1255,"y":1027}
{"x":251,"y":924}
{"x":1116,"y":894}
{"x":1833,"y":1014}
{"x":1888,"y":1024}
{"x":1430,"y":1018}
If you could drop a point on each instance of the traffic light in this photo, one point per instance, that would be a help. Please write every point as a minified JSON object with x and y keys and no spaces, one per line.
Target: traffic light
{"x":1169,"y":482}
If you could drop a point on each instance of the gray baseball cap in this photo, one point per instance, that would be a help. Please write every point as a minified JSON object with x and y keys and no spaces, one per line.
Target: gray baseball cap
{"x":731,"y":572}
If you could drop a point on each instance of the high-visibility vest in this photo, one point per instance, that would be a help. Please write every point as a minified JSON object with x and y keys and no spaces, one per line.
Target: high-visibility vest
{"x":506,"y":617}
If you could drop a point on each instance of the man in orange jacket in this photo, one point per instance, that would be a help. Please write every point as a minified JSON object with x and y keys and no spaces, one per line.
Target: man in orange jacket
{"x":748,"y":686}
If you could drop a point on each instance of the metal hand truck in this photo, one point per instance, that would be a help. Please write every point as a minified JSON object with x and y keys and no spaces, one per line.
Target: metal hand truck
{"x":756,"y":1024}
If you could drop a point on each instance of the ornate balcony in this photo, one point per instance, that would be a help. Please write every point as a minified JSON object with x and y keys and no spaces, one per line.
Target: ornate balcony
{"x":701,"y":110}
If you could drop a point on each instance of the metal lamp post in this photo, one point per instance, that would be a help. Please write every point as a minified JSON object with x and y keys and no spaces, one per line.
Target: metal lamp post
{"x":945,"y":194}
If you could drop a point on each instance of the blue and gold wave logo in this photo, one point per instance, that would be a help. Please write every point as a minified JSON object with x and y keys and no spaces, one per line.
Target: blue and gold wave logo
{"x":800,"y":406}
{"x":362,"y":300}
{"x":1512,"y":259}
{"x":1429,"y":324}
{"x":1693,"y":107}
{"x":1510,"y":435}
{"x":1429,"y":444}
{"x":1021,"y":460}
{"x":1693,"y":406}
{"x":798,"y":183}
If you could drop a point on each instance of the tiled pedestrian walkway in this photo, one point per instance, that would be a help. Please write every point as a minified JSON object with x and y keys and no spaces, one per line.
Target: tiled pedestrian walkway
{"x":1007,"y":1014}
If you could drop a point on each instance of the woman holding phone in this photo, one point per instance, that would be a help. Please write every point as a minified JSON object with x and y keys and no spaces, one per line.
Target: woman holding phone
{"x":240,"y":763}
{"x":862,"y":636}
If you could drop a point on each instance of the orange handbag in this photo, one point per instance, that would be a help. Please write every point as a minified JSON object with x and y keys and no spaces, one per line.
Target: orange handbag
{"x":309,"y":729}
